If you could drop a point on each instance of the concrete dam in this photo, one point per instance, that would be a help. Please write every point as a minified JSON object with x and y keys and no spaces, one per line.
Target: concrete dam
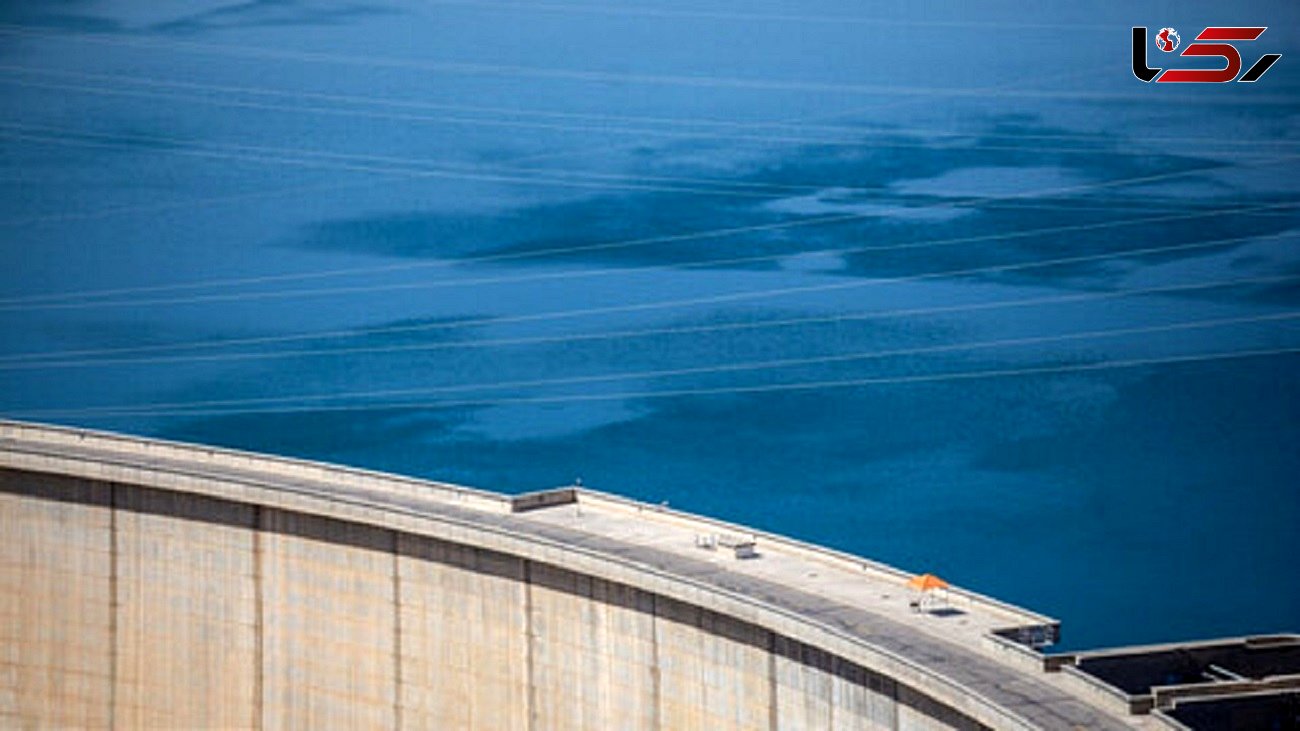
{"x":150,"y":584}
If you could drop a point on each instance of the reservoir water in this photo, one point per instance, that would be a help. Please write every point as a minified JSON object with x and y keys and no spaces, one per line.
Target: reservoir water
{"x":947,"y":287}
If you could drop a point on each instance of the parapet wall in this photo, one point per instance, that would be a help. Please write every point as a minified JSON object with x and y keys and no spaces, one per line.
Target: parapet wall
{"x":155,"y":584}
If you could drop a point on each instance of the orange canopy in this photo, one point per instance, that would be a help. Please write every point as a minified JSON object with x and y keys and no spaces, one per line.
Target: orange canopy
{"x":926,"y":582}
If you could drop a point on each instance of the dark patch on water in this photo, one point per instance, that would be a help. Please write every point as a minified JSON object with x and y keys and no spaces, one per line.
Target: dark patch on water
{"x":869,"y":176}
{"x":272,"y":13}
{"x":68,"y":15}
{"x":1280,"y":294}
{"x":583,"y":223}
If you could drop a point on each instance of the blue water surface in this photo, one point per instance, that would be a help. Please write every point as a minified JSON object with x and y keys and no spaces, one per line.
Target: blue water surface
{"x":945,"y":286}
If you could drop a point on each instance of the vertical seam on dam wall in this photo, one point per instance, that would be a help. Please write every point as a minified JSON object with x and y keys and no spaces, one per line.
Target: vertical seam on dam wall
{"x":528,"y":645}
{"x":892,"y":685}
{"x":773,"y":692}
{"x":832,"y":668}
{"x":258,"y":639}
{"x":113,"y":604}
{"x":397,"y":634}
{"x":656,"y":684}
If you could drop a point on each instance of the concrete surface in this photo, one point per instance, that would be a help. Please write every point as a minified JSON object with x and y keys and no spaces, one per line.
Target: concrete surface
{"x":163,"y":585}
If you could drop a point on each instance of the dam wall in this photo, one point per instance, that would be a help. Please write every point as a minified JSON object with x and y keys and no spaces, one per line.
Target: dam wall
{"x":148,"y":584}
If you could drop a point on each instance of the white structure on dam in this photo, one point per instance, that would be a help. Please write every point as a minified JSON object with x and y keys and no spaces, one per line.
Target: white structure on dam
{"x":154,"y":584}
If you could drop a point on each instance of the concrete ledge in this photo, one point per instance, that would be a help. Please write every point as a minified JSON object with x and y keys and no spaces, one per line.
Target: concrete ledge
{"x":1023,"y":656}
{"x":543,"y":499}
{"x":1103,"y":694}
{"x":1162,"y":715}
{"x":1248,"y":640}
{"x":1167,"y":696}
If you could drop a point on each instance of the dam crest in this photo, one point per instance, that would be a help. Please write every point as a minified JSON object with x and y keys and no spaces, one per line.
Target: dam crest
{"x":156,"y":584}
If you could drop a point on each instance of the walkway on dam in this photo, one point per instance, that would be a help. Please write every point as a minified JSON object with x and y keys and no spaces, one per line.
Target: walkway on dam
{"x":872,"y":610}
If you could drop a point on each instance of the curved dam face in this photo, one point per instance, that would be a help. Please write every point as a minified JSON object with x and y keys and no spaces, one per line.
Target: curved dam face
{"x":150,"y":584}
